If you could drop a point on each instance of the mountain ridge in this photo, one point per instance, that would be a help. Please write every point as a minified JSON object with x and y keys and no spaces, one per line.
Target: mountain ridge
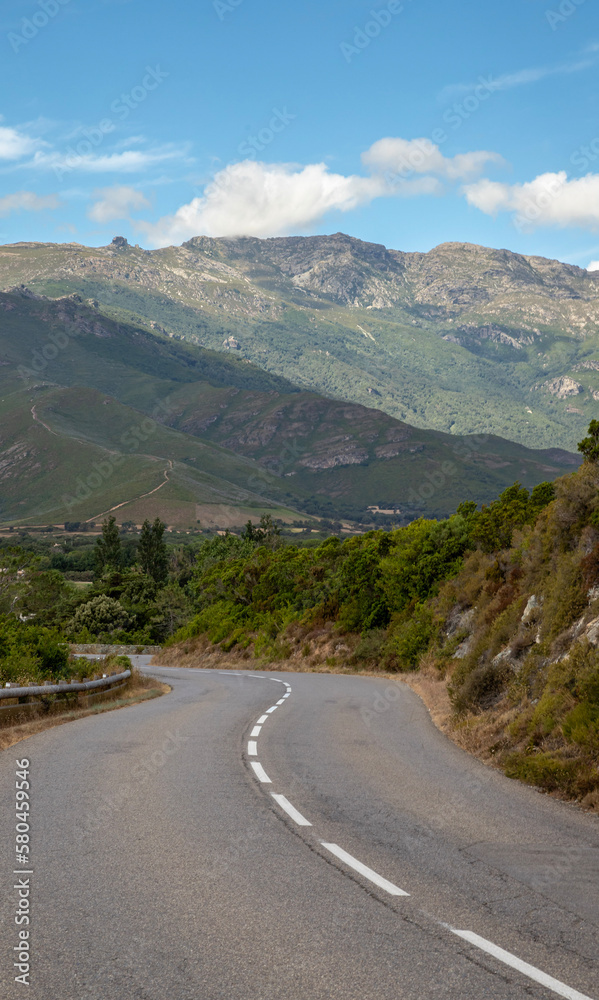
{"x":78,"y":387}
{"x":463,"y":339}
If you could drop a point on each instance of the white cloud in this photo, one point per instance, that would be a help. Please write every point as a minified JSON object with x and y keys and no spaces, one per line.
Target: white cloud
{"x":548,"y":200}
{"x":593,"y":266}
{"x":15,"y":144}
{"x":128,"y":162}
{"x":519,"y":78}
{"x":116,"y":203}
{"x":421,"y":156}
{"x":27,"y":201}
{"x":259,"y":199}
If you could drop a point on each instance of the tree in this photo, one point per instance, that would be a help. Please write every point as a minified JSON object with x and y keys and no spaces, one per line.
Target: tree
{"x":493,"y":526}
{"x":108,"y":553}
{"x":15,"y":567}
{"x":152,"y":552}
{"x":589,"y":446}
{"x":172,"y":610}
{"x":267,"y":532}
{"x":101,"y":614}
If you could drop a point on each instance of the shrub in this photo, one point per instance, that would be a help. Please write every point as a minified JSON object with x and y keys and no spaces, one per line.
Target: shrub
{"x":101,"y":615}
{"x":370,"y":648}
{"x":410,"y":635}
{"x":481,"y":687}
{"x":544,"y":770}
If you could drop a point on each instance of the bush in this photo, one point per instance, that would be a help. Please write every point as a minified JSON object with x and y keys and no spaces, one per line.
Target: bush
{"x":544,"y":770}
{"x":101,"y":616}
{"x":481,"y":687}
{"x":370,"y":648}
{"x":410,"y":635}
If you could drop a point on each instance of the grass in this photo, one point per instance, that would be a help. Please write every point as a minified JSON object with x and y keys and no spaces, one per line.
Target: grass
{"x":313,"y":338}
{"x":249,"y":442}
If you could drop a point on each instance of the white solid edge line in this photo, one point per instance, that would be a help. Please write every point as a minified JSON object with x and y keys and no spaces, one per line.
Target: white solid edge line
{"x":260,"y":772}
{"x":256,"y":731}
{"x":272,"y":708}
{"x":368,"y":873}
{"x":516,"y":963}
{"x":252,"y":748}
{"x":262,"y":720}
{"x":291,"y":810}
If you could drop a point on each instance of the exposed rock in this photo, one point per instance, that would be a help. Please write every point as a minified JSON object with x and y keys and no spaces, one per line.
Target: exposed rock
{"x":530,"y":611}
{"x":458,"y":621}
{"x":231,"y":344}
{"x":464,"y":648}
{"x":592,"y":632}
{"x":563,"y":387}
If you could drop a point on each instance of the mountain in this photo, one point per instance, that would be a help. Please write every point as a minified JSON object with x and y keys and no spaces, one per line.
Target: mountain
{"x":98,"y":413}
{"x":463,"y":339}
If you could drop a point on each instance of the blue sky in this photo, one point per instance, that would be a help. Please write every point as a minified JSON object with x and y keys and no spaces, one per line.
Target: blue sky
{"x":409,"y":123}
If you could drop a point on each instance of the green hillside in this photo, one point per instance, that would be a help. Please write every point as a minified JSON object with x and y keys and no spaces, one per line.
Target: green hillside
{"x":164,"y":428}
{"x":498,"y":608}
{"x":464,"y":339}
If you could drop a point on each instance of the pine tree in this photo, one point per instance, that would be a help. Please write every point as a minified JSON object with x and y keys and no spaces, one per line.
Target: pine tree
{"x":108,"y":554}
{"x":151,"y":551}
{"x":589,"y":446}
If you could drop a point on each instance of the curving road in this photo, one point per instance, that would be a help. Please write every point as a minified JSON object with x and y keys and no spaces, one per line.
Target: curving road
{"x":337,"y":846}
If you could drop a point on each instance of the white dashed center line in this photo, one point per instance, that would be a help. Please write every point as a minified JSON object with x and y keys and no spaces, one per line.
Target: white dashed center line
{"x":291,"y":810}
{"x":530,"y":971}
{"x":516,"y":963}
{"x":368,"y":873}
{"x":260,"y":773}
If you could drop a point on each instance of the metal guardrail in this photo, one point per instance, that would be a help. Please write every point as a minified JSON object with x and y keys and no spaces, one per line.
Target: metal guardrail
{"x":23,"y":694}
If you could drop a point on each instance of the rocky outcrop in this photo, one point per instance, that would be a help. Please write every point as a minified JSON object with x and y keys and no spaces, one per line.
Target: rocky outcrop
{"x":563,"y":387}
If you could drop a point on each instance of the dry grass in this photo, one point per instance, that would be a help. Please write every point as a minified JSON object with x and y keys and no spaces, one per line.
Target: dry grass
{"x":139,"y":689}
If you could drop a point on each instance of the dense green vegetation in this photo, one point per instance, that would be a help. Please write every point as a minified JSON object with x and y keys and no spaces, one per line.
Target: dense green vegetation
{"x":502,"y":602}
{"x":464,"y":339}
{"x":113,"y":415}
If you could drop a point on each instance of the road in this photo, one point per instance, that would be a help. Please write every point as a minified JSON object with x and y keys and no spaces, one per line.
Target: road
{"x":164,"y":868}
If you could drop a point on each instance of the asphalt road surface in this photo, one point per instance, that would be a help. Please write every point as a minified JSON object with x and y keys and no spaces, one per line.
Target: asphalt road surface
{"x":258,"y":835}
